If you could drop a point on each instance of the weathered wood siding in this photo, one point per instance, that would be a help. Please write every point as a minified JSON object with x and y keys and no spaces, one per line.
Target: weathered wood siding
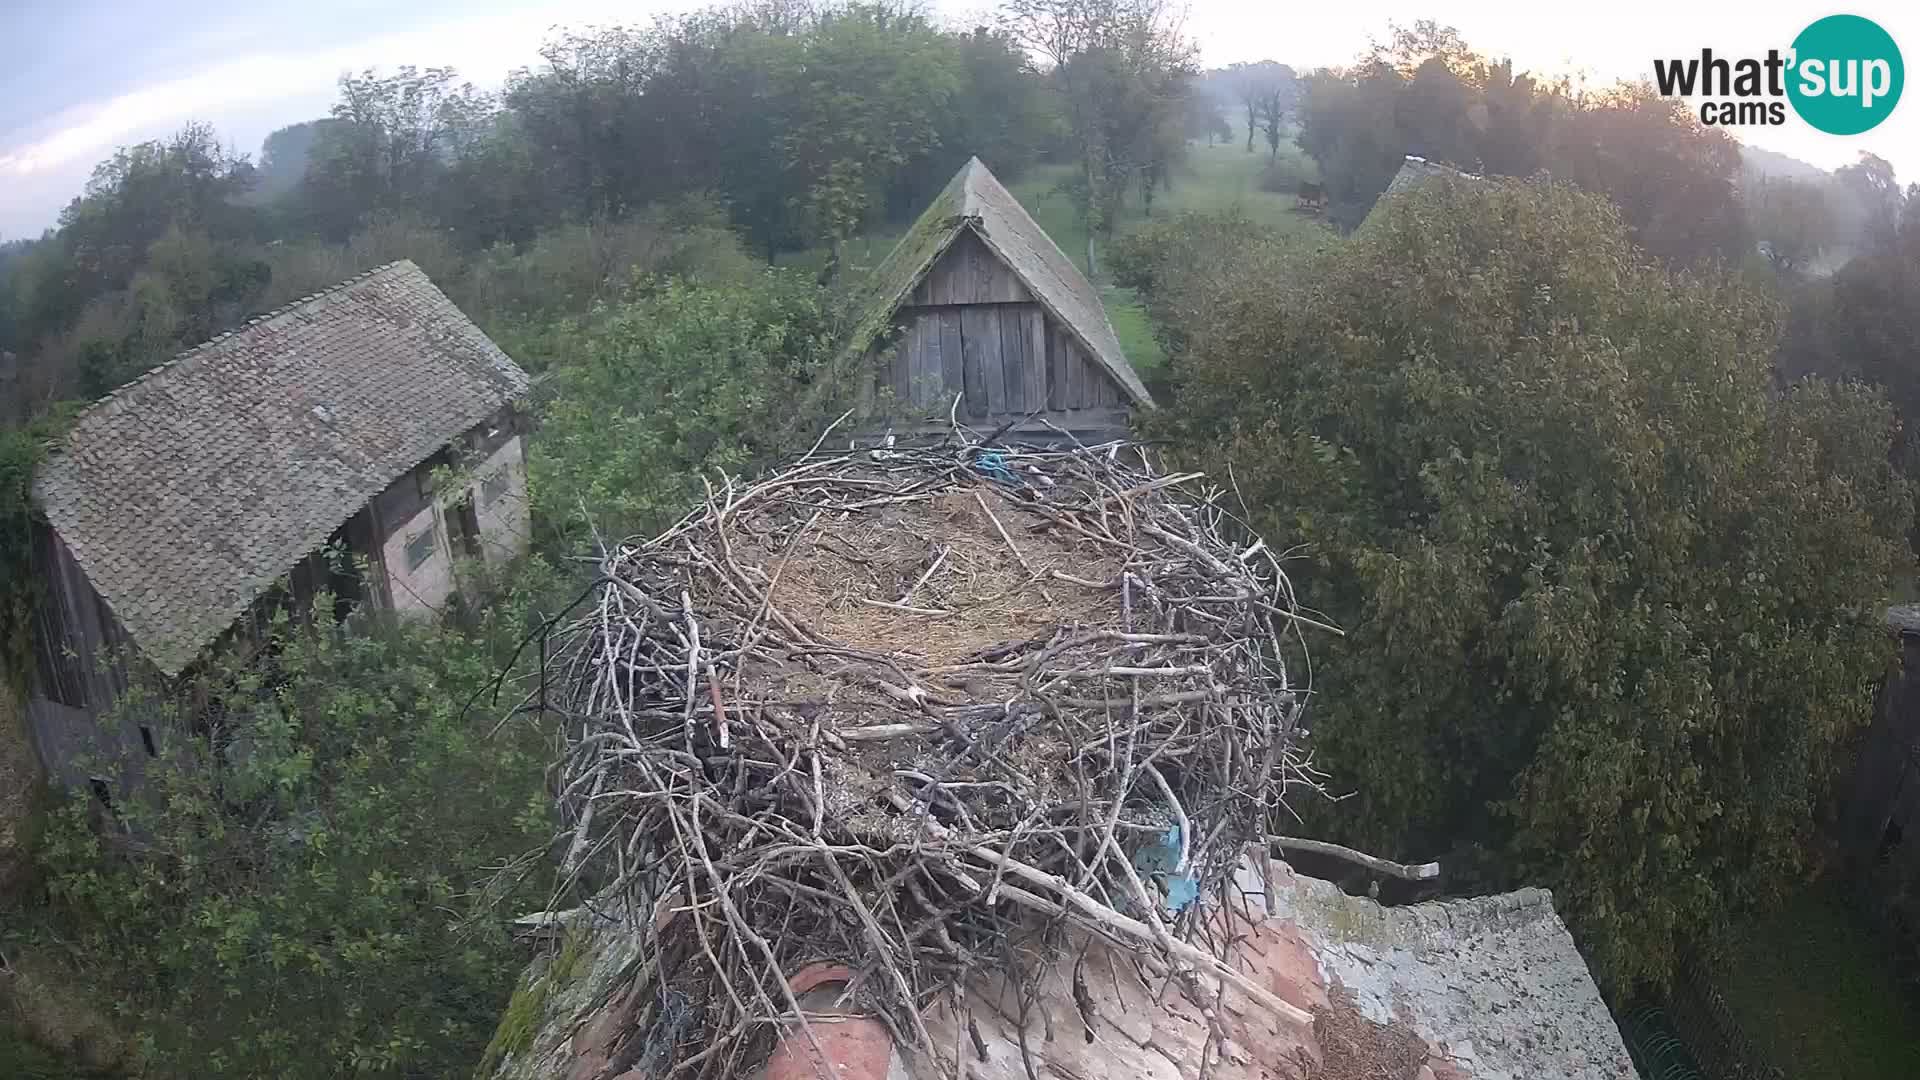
{"x":81,"y":658}
{"x":972,"y":329}
{"x":968,"y":273}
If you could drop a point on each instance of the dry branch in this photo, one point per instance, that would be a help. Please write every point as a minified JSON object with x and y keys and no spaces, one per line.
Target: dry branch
{"x":878,"y":708}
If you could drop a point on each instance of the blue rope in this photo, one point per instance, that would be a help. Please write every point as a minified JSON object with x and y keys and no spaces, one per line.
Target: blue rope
{"x":993,"y":465}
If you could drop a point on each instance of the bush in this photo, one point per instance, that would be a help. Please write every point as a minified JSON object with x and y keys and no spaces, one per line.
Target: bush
{"x":570,"y":268}
{"x":651,"y":394}
{"x":1188,"y":267}
{"x":299,"y":889}
{"x":1612,"y":600}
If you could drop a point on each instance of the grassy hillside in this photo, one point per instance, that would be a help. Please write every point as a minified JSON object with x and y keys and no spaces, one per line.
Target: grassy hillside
{"x":1212,"y":178}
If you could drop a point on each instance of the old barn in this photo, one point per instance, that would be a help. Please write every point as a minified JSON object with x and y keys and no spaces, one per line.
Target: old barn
{"x":977,"y":314}
{"x":359,"y":441}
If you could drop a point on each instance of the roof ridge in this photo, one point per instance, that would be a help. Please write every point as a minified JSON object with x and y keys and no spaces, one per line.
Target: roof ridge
{"x":1526,"y":901}
{"x":176,"y":359}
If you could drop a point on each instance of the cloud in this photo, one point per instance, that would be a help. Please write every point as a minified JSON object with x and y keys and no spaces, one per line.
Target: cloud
{"x":290,"y":85}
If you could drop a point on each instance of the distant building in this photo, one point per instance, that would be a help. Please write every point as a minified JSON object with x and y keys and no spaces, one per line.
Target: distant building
{"x":977,"y":314}
{"x":1415,"y":171}
{"x":255,"y":471}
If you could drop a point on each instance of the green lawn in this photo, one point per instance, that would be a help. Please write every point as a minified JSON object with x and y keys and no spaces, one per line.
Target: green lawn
{"x":1212,"y":178}
{"x":1816,"y":991}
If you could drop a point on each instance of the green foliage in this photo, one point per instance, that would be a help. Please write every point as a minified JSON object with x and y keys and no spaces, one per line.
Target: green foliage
{"x":1864,"y":322}
{"x":858,"y":99}
{"x":1812,"y":982}
{"x":1121,"y":70}
{"x":1611,"y":598}
{"x":299,"y":888}
{"x":1189,"y":266}
{"x":656,"y":392}
{"x":21,"y":450}
{"x":1794,"y":219}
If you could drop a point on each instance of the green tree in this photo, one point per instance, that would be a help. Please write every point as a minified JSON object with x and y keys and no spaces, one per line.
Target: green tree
{"x":391,"y":145}
{"x":1870,"y":183}
{"x":858,"y":101}
{"x":655,"y":393}
{"x":1121,"y":70}
{"x":1794,"y":219}
{"x":1611,"y":597}
{"x":303,"y":886}
{"x":1672,"y":178}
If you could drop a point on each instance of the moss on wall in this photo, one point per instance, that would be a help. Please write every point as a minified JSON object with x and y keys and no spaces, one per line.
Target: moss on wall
{"x":526,"y":1013}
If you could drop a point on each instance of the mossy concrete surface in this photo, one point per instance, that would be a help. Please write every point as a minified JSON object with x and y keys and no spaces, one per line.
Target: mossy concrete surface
{"x":574,"y":1002}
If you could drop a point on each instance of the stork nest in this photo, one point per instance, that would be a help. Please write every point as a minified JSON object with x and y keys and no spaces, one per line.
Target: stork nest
{"x":920,"y":712}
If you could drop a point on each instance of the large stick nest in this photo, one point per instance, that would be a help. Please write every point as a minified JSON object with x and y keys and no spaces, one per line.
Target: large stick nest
{"x":921,"y":712}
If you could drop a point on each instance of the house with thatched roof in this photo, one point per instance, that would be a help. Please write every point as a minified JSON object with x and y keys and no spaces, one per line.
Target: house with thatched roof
{"x":978,"y":316}
{"x":356,"y":443}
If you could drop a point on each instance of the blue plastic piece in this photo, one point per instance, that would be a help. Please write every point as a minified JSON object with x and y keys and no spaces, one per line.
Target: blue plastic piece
{"x":1161,"y":859}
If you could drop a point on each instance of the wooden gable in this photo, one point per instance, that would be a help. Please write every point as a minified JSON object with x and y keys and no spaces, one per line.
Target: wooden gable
{"x":971,"y":327}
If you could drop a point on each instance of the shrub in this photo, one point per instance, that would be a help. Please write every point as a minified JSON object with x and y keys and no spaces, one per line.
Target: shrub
{"x":650,"y":394}
{"x":297,"y":891}
{"x":1611,"y":598}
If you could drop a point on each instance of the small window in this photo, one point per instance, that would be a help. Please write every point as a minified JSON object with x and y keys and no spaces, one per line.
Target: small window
{"x":421,"y":546}
{"x":495,"y":486}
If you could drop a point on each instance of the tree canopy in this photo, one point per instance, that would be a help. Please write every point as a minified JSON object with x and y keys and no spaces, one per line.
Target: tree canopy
{"x":1607,"y":591}
{"x":1425,"y":92}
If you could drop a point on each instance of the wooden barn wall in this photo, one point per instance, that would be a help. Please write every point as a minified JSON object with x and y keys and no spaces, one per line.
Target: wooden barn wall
{"x":1002,"y":358}
{"x":80,"y":656}
{"x":1880,"y":799}
{"x":971,"y":328}
{"x":968,"y":273}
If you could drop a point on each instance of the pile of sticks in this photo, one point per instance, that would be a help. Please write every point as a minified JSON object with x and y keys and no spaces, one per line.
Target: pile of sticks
{"x":775,"y":781}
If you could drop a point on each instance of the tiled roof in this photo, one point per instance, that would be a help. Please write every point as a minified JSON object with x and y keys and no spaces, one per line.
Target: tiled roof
{"x":974,"y":199}
{"x":1415,"y":171}
{"x":186,"y":493}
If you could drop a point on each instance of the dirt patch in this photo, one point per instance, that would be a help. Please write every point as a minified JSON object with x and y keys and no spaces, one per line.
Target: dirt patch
{"x":1353,"y":1047}
{"x":42,"y":1002}
{"x":975,"y":594}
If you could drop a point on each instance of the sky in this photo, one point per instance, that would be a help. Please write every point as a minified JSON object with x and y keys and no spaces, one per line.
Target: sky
{"x":79,"y":78}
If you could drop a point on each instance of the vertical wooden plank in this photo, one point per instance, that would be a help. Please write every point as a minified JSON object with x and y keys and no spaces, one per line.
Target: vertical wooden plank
{"x":953,"y":378}
{"x":1069,"y":369}
{"x":936,"y":283}
{"x":933,"y":378}
{"x":981,"y":335}
{"x":977,"y":287}
{"x":1013,"y":356}
{"x":900,"y":371}
{"x":863,"y":384}
{"x":1056,"y":373}
{"x":1033,"y":327}
{"x":972,"y":376}
{"x":912,"y":358}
